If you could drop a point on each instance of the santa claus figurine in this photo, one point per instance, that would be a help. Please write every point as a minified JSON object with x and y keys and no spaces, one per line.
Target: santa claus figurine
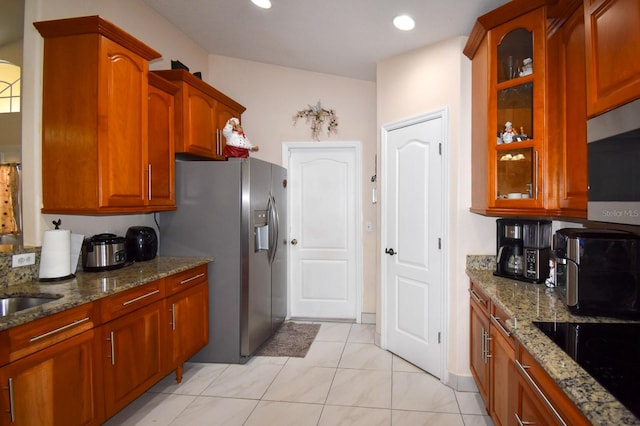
{"x":238,"y":144}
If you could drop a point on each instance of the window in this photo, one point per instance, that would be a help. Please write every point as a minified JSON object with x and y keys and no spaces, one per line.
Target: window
{"x":9,"y":87}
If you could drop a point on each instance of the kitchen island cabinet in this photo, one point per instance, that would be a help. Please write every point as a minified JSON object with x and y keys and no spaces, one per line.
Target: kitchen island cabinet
{"x":612,"y":31}
{"x":201,"y":114}
{"x":95,"y":146}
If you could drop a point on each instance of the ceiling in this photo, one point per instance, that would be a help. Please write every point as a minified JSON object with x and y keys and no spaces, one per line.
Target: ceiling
{"x":341,"y":37}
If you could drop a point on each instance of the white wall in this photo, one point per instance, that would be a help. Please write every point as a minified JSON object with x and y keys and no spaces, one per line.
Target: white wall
{"x":417,"y":82}
{"x":272,"y":96}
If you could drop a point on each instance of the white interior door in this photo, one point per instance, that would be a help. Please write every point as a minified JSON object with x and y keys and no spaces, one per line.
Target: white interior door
{"x":324,"y":217}
{"x":412,"y":223}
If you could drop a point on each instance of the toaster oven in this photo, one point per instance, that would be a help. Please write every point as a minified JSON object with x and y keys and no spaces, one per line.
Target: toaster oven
{"x":598,"y":271}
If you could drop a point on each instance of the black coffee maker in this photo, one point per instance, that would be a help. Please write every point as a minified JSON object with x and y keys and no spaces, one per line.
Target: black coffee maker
{"x":523,"y":247}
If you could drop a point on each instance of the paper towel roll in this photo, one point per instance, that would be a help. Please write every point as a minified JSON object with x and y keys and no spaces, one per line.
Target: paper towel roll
{"x":55,"y":257}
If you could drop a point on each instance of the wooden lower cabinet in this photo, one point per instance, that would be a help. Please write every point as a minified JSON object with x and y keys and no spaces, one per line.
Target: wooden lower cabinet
{"x":132,"y":355}
{"x":188,"y":324}
{"x":479,"y":339}
{"x":539,"y":399}
{"x":502,"y":354}
{"x":81,"y":366}
{"x":59,"y":385}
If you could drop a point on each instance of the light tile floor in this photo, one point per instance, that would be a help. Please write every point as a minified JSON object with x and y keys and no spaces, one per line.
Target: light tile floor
{"x":344,"y":380}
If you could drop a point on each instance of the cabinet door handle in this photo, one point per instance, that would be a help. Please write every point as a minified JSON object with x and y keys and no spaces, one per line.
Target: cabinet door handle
{"x":536,"y":173}
{"x":523,"y":371}
{"x":144,"y":296}
{"x":483,"y":346}
{"x":57,"y":330}
{"x":500,"y":326}
{"x":195,"y":277}
{"x":113,"y":349}
{"x":173,"y":316}
{"x":12,"y":414}
{"x":475,"y":296}
{"x":522,"y":422}
{"x":149,"y":182}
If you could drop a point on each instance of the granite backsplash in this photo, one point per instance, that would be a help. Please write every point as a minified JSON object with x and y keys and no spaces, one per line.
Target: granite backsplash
{"x":9,"y":275}
{"x":481,"y":261}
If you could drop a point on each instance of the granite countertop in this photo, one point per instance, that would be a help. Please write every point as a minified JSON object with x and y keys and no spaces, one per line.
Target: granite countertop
{"x":90,"y":286}
{"x":524,"y":303}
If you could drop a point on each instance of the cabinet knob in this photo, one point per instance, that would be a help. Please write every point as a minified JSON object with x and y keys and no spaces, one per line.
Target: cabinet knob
{"x":294,"y":242}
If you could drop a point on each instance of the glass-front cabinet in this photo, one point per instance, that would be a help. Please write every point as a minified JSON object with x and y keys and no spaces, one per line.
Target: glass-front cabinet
{"x":528,"y":101}
{"x":516,"y":112}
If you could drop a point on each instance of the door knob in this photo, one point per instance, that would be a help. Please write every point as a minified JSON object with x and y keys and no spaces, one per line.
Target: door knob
{"x":390,"y":251}
{"x":294,"y":242}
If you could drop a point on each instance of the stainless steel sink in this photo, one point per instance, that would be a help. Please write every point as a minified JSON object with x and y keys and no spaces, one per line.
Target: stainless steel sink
{"x":12,"y":304}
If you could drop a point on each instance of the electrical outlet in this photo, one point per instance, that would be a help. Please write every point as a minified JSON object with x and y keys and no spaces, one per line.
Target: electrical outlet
{"x":24,"y":259}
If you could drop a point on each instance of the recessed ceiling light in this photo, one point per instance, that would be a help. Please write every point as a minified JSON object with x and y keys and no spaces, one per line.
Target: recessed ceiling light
{"x":265,"y":4}
{"x":404,"y":22}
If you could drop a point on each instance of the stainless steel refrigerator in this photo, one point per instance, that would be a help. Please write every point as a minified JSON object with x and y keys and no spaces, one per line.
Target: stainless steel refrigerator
{"x":234,"y":211}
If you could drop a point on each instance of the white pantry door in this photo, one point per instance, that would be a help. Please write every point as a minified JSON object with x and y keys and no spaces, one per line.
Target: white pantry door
{"x":412,"y":223}
{"x":324,"y":249}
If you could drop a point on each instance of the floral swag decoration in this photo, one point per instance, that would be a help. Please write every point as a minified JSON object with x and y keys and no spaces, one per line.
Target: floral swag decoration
{"x":318,"y":117}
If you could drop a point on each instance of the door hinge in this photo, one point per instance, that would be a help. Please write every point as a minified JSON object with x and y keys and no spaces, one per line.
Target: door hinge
{"x":440,"y":148}
{"x":439,"y":243}
{"x":439,"y":337}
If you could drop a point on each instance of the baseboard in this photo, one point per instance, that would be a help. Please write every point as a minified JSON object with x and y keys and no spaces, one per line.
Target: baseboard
{"x":367,"y":318}
{"x":461,"y":383}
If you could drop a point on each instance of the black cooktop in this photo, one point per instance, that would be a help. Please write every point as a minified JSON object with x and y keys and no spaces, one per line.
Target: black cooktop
{"x":610,"y":352}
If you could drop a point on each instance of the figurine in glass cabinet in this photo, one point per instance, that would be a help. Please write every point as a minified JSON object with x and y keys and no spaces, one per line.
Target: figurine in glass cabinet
{"x":509,"y":133}
{"x":238,"y":144}
{"x":527,"y":67}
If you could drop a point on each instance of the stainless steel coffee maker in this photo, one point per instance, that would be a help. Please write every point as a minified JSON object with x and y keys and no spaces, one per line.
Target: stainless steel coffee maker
{"x":522,"y":249}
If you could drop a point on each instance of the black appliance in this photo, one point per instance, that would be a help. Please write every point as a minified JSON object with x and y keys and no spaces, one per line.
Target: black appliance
{"x":522,"y":249}
{"x":609,"y":352}
{"x":613,"y":151}
{"x":141,"y":243}
{"x":598,"y":271}
{"x":103,"y":252}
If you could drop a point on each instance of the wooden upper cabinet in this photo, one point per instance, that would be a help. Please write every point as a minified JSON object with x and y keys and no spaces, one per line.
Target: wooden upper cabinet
{"x":518,"y":121}
{"x":161,"y":143}
{"x":201,"y":113}
{"x":94,"y":118}
{"x":567,"y":98}
{"x":612,"y":33}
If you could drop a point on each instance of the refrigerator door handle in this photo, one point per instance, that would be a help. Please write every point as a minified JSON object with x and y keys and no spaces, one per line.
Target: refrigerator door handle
{"x":272,"y":221}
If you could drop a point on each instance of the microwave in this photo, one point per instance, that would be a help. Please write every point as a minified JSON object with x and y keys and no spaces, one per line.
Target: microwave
{"x":613,"y":170}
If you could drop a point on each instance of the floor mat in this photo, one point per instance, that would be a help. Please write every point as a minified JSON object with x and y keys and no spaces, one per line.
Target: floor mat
{"x":291,"y":339}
